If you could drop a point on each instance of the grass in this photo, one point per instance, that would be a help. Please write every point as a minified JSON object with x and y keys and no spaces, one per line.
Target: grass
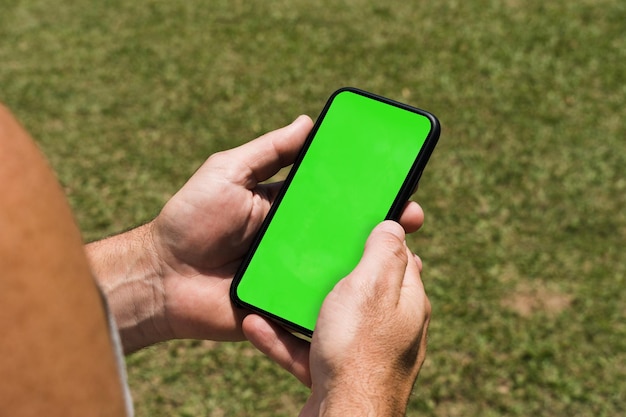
{"x":526,"y":228}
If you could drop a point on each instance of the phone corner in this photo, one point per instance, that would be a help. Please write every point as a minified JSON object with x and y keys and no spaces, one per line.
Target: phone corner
{"x":234,"y":295}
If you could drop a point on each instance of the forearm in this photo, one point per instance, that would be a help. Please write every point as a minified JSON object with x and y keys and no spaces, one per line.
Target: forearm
{"x":127,"y":272}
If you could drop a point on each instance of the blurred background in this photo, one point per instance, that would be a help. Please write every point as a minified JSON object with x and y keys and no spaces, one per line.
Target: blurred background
{"x":525,"y":234}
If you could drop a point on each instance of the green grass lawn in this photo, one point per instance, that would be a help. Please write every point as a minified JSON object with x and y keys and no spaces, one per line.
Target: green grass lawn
{"x":524,"y":244}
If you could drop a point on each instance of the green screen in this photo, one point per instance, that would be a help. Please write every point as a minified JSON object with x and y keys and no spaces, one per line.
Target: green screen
{"x":346,"y":183}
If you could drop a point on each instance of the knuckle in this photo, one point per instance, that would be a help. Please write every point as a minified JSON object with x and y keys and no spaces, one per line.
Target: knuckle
{"x":219,"y":159}
{"x":394,"y":248}
{"x":227,"y":166}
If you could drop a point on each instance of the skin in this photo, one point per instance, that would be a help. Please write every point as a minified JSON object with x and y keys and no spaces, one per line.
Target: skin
{"x":170,"y":279}
{"x":56,"y":356}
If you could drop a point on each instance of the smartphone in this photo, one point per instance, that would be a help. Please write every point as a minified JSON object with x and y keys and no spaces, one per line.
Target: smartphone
{"x":359,"y":166}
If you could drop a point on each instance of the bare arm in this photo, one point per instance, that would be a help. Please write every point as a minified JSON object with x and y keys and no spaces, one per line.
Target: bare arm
{"x":132,"y":280}
{"x":56,"y":358}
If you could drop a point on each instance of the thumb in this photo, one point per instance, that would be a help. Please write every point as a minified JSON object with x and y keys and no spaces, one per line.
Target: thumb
{"x":385,"y":256}
{"x":267,"y":154}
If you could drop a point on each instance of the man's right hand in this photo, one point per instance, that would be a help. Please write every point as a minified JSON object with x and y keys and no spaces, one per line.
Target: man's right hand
{"x":370,"y":338}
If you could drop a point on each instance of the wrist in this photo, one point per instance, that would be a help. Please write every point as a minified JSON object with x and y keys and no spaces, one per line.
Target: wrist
{"x":128,"y":272}
{"x":359,"y":396}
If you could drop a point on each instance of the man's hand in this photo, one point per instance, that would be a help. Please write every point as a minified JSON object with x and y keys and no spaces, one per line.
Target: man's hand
{"x":170,"y":278}
{"x":370,"y":338}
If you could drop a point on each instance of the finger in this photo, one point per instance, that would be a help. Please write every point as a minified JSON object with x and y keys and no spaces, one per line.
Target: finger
{"x":413,"y":293}
{"x":412,"y":217}
{"x":412,"y":275}
{"x":418,"y":260}
{"x":267,"y":154}
{"x":385,"y":257}
{"x":282,"y":347}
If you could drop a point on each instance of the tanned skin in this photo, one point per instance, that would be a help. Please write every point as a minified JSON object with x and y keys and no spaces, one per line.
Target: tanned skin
{"x":55,"y":350}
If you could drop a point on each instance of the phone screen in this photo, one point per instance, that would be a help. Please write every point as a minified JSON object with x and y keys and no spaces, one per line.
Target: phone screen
{"x":359,"y":166}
